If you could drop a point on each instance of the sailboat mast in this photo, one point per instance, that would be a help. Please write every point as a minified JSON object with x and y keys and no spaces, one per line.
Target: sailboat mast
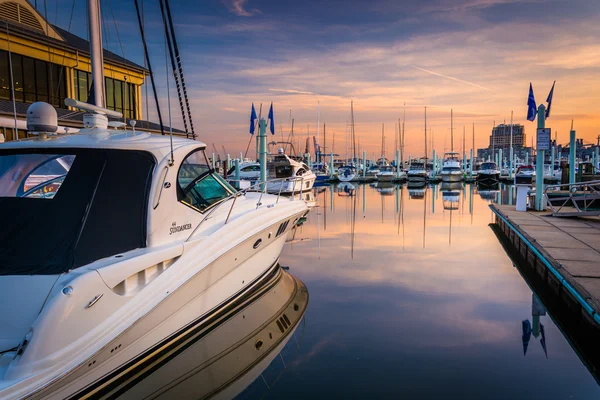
{"x":324,"y":141}
{"x":353,"y":133}
{"x":425,"y":138}
{"x":473,"y":146}
{"x":382,"y":141}
{"x":95,"y":28}
{"x":346,"y":161}
{"x":451,"y":131}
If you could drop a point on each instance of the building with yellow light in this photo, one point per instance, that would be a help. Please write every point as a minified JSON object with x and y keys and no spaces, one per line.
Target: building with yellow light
{"x":42,"y":62}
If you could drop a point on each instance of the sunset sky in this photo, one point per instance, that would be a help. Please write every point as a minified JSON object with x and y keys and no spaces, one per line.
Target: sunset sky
{"x":476,"y":57}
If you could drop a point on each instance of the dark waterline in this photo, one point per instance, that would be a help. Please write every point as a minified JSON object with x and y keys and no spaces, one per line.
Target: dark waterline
{"x":412,"y":296}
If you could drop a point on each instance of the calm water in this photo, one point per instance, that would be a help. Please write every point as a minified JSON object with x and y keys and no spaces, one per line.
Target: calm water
{"x":412,"y":296}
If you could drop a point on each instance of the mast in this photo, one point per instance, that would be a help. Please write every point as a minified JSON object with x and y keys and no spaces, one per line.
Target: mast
{"x":382,"y":141}
{"x":318,"y":133}
{"x":402,"y":145}
{"x":473,"y":146}
{"x":451,"y":132}
{"x":95,"y":28}
{"x":353,"y":133}
{"x":425,"y":138}
{"x":324,"y":141}
{"x":346,"y":161}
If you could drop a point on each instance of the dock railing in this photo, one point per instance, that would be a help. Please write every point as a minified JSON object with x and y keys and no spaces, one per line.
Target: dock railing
{"x":574,"y":199}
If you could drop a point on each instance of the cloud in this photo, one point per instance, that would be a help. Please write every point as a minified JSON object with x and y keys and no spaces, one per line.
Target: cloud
{"x":238,"y":7}
{"x":454,"y":79}
{"x":291,"y":91}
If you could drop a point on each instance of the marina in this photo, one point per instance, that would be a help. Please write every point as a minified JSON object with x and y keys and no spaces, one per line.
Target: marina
{"x":319,"y":229}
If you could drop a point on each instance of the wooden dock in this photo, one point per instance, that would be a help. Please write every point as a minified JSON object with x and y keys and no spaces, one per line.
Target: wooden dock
{"x":565,"y":252}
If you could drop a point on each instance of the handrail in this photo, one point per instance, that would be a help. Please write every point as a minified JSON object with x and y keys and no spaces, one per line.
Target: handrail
{"x":243,"y":192}
{"x":573,"y":190}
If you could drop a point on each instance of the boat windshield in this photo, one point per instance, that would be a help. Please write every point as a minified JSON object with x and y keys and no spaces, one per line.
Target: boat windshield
{"x":489,"y":165}
{"x":65,"y":208}
{"x":416,"y":165}
{"x":198,"y":185}
{"x":451,"y":169}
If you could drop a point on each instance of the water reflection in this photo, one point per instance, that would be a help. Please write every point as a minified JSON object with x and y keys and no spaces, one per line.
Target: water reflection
{"x":412,"y":296}
{"x":221,"y":358}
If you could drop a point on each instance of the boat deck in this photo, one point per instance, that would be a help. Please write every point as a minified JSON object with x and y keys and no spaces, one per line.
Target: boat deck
{"x":564,"y":251}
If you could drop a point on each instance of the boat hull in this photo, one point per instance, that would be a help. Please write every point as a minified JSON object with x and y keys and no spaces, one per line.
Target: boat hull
{"x":452,"y":177}
{"x":227,"y":279}
{"x":488,"y":177}
{"x":417,"y":178}
{"x":385,"y":177}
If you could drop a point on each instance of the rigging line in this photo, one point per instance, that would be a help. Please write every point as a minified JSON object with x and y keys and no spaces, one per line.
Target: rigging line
{"x":139,"y":17}
{"x":175,"y":73}
{"x":56,"y":13}
{"x":12,"y":84}
{"x":62,"y":69}
{"x":107,"y":40}
{"x":176,"y":48}
{"x":116,"y":28}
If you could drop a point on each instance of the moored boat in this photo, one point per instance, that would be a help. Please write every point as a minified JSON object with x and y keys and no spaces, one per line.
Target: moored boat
{"x":451,"y":171}
{"x":488,"y":173}
{"x":142,"y":241}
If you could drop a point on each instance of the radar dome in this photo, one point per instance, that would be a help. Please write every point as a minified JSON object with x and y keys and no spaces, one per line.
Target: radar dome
{"x":42,"y":117}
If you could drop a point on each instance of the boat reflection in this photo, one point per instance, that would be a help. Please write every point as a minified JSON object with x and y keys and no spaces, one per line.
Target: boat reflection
{"x":224,"y":356}
{"x":488,"y":192}
{"x":416,"y":190}
{"x":345,"y":189}
{"x":384,"y":188}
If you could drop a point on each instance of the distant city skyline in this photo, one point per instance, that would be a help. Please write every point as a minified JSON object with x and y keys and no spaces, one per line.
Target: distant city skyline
{"x":476,"y":57}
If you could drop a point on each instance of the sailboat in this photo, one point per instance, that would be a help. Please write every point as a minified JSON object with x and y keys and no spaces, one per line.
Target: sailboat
{"x":349,"y":172}
{"x":386,"y":171}
{"x":142,"y":245}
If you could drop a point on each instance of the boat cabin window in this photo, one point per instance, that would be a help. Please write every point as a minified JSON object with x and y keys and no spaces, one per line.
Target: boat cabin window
{"x":198,"y":186}
{"x":489,"y":165}
{"x":283,"y":171}
{"x":451,"y":169}
{"x":301,"y":171}
{"x":63,"y":208}
{"x":37,"y":176}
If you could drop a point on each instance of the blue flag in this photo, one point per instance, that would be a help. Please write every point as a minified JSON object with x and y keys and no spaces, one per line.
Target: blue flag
{"x":252,"y":119}
{"x":531,"y":106}
{"x":272,"y":123}
{"x":549,"y":100}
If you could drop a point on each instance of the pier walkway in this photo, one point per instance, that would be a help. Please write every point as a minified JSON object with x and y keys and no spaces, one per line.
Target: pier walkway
{"x":563,"y":251}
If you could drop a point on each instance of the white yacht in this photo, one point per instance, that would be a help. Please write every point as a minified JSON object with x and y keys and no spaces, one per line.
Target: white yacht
{"x":285,"y":175}
{"x":373,"y":170}
{"x":116,"y":245}
{"x":488,"y":173}
{"x":417,"y":172}
{"x":451,"y":171}
{"x":289,"y":175}
{"x":386,"y":174}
